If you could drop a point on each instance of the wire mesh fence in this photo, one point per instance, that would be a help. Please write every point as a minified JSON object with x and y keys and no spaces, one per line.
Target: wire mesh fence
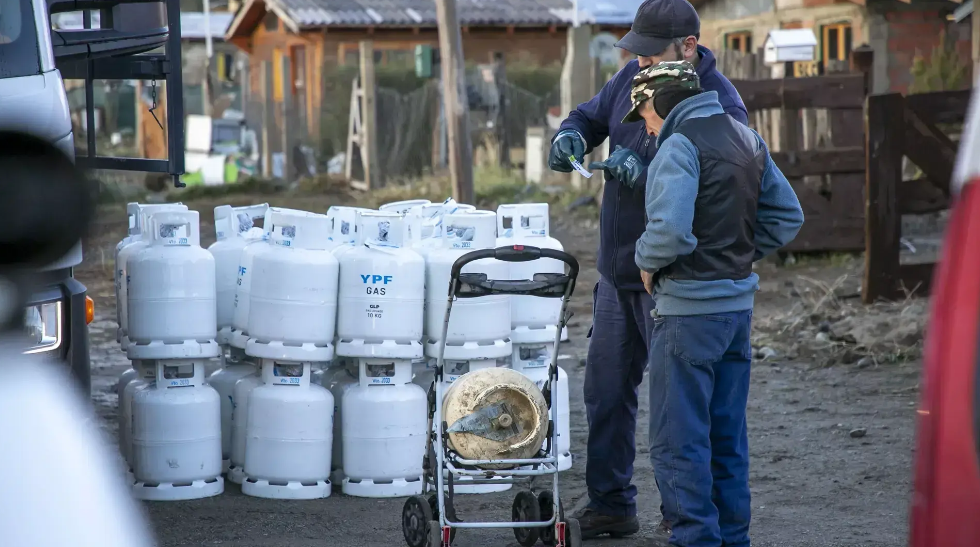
{"x":410,"y":125}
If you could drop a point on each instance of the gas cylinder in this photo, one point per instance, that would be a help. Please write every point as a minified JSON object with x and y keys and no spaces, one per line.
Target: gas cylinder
{"x":533,"y":319}
{"x":235,"y":366}
{"x":467,"y":409}
{"x":382,"y":287}
{"x":532,"y":360}
{"x":129,"y":247}
{"x":289,"y":434}
{"x":172,"y":312}
{"x":403,"y":206}
{"x":239,"y":425}
{"x":293,"y":293}
{"x":479,"y":328}
{"x":239,"y":318}
{"x":343,"y":376}
{"x":146,"y":376}
{"x":384,"y":426}
{"x":234,"y":228}
{"x":453,"y":371}
{"x":177,"y":435}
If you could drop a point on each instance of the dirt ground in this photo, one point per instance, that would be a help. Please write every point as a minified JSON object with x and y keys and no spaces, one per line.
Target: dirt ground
{"x":831,"y":416}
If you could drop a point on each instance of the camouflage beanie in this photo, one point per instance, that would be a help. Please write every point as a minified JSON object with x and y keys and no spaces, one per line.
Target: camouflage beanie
{"x":656,"y":78}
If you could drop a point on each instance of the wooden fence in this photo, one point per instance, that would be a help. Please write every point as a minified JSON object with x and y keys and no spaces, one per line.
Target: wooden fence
{"x":826,"y":168}
{"x":898,"y":127}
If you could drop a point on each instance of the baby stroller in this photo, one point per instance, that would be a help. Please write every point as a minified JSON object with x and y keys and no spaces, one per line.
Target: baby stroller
{"x":430,"y":520}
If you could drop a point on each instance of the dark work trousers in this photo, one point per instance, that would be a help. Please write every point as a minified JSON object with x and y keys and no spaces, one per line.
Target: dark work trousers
{"x":620,"y":336}
{"x":699,"y":445}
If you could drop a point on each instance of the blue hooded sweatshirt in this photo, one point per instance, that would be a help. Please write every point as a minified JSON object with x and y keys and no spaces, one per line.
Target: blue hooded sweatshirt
{"x":672,"y":186}
{"x":622,"y":217}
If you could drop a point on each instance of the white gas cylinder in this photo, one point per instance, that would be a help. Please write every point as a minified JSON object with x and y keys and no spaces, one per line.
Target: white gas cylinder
{"x":146,"y":376}
{"x":128,"y":375}
{"x":177,"y":435}
{"x":342,"y":378}
{"x":172,"y":312}
{"x":234,"y":229}
{"x":239,"y":318}
{"x":239,"y":425}
{"x":533,"y":318}
{"x":290,"y":433}
{"x":127,"y":248}
{"x":403,"y":206}
{"x":293,"y":293}
{"x":236,"y":365}
{"x":382,"y":287}
{"x":532,"y":360}
{"x":453,"y":371}
{"x":479,"y":328}
{"x":384,"y":425}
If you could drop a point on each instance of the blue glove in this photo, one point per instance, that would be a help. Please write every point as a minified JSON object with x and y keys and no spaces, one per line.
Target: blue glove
{"x":567,"y":143}
{"x":623,"y":165}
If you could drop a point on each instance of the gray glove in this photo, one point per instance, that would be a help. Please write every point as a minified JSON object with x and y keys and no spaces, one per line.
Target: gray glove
{"x":567,"y":143}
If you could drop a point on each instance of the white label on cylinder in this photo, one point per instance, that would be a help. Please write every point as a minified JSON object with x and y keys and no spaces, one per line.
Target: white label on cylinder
{"x":455,"y":369}
{"x":178,"y":375}
{"x":384,"y":227}
{"x":534,"y":356}
{"x":174,"y":234}
{"x":461,"y":237}
{"x":291,"y":374}
{"x":381,"y":374}
{"x":534,"y":224}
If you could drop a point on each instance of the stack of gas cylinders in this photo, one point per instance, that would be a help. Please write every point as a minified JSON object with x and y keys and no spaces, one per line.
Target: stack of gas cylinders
{"x":324,"y":330}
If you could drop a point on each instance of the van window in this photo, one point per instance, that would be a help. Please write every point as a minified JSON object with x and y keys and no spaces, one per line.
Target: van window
{"x":18,"y":40}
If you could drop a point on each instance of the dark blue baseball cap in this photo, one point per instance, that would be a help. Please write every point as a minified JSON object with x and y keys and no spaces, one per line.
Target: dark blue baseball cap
{"x":657,"y":24}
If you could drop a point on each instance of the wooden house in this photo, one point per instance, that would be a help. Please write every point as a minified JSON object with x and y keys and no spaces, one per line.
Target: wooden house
{"x":895,"y":29}
{"x":312,"y":34}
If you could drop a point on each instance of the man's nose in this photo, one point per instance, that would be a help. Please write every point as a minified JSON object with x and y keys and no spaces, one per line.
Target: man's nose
{"x":645,"y":61}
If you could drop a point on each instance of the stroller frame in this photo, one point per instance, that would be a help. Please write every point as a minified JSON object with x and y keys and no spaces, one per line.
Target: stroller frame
{"x":432,"y":522}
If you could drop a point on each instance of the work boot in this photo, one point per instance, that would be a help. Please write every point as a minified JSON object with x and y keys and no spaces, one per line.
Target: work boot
{"x":663,"y":528}
{"x":594,"y":524}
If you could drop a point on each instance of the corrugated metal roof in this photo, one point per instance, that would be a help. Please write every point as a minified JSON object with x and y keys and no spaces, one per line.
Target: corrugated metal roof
{"x":315,"y":13}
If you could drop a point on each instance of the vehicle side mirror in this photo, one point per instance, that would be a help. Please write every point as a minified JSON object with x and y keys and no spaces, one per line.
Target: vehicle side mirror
{"x":46,"y":203}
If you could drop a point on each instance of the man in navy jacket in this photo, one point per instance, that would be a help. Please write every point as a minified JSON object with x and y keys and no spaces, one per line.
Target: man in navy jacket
{"x":663,"y":30}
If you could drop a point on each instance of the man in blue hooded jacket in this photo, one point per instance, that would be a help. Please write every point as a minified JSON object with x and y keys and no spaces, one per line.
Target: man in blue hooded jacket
{"x":715,"y":204}
{"x":662,"y":30}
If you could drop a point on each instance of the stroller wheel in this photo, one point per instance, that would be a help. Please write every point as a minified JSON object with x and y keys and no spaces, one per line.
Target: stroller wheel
{"x":573,"y":533}
{"x":416,"y":521}
{"x":526,"y":509}
{"x":450,"y":514}
{"x":546,"y":506}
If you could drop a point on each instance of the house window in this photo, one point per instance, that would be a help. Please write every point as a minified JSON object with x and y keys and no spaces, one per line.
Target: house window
{"x":385,"y":53}
{"x":836,"y":44}
{"x":739,"y":41}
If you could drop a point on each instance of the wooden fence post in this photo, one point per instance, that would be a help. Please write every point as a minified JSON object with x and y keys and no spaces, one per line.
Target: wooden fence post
{"x":369,"y":132}
{"x":885,"y":141}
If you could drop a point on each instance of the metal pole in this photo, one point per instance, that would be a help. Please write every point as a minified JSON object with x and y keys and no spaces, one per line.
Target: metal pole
{"x":208,"y":51}
{"x":575,"y":21}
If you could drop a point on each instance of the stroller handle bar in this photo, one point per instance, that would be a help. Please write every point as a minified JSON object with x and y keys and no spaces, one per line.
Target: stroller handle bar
{"x":547,"y":285}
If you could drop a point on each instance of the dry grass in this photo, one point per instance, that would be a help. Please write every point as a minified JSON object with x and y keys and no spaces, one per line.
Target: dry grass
{"x":829,"y":326}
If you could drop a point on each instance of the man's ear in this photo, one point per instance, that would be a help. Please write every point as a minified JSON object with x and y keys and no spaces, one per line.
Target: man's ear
{"x":690,"y":47}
